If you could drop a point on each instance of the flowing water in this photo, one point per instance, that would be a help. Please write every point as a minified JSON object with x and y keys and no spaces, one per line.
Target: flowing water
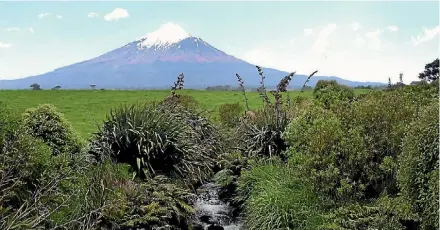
{"x":211,"y":212}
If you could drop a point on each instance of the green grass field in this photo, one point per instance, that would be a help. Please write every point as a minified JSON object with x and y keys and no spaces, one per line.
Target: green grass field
{"x":86,"y":109}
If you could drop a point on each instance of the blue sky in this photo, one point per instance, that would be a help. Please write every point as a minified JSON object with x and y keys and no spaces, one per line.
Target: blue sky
{"x":353,"y":40}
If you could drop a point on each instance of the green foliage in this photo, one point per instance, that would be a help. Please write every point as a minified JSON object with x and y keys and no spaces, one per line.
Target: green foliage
{"x":186,"y":101}
{"x":330,"y":92}
{"x":47,"y":123}
{"x":8,"y":120}
{"x":229,"y":114}
{"x":275,"y":197}
{"x":39,"y":190}
{"x":352,"y":149}
{"x":419,"y":165}
{"x":157,"y":139}
{"x":384,"y":213}
{"x":153,"y":204}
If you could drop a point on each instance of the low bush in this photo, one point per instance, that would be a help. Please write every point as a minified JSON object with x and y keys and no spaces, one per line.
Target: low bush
{"x":329,"y":92}
{"x":384,"y":213}
{"x":47,"y":123}
{"x":152,"y":204}
{"x":353,"y":148}
{"x":230,"y":113}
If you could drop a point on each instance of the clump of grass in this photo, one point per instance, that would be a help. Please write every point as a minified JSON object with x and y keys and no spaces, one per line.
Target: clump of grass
{"x":274,"y":197}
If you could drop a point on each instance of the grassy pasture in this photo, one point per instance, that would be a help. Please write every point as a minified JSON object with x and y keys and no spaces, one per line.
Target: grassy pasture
{"x":86,"y":109}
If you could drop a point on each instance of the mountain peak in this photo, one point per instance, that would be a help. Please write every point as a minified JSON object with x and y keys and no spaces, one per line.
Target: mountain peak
{"x":166,"y":35}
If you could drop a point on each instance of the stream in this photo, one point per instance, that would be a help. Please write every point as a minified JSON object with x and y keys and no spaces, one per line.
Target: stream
{"x":211,"y":212}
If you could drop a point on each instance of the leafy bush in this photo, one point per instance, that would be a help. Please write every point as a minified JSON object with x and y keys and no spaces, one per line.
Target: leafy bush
{"x":39,"y":190}
{"x":419,"y":166}
{"x":186,"y":101}
{"x":229,"y":114}
{"x":153,"y":204}
{"x":330,"y":92}
{"x":47,"y":123}
{"x":275,"y":197}
{"x":8,"y":120}
{"x":385,"y":213}
{"x":158,"y":139}
{"x":353,"y":149}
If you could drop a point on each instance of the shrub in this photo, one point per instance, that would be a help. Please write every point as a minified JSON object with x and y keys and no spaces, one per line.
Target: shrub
{"x":8,"y":120}
{"x":186,"y":101}
{"x":158,"y":139}
{"x":37,"y":189}
{"x":47,"y":123}
{"x":353,"y":149}
{"x":385,"y":213}
{"x":330,"y":92}
{"x":153,"y":204}
{"x":418,"y":167}
{"x":229,"y":114}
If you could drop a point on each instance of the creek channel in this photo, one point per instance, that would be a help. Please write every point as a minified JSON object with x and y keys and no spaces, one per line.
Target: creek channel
{"x":211,"y":212}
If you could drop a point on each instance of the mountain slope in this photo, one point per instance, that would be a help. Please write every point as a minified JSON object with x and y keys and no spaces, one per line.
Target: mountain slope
{"x":155,"y":61}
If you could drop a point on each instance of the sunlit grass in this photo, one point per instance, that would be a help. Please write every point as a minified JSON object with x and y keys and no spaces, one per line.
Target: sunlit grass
{"x":85,"y":109}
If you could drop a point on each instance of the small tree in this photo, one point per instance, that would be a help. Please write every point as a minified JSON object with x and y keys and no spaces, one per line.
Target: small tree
{"x":92,"y":86}
{"x":431,"y":71}
{"x":56,"y":87}
{"x":35,"y":86}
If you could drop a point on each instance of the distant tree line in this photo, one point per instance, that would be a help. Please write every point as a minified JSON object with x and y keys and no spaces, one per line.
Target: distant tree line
{"x":221,"y":88}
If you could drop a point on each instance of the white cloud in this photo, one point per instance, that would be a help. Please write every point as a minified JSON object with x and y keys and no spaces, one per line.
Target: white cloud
{"x":12,"y":29}
{"x":59,"y":17}
{"x":393,"y":28}
{"x":92,"y":15}
{"x":359,"y":41}
{"x":116,"y":14}
{"x":428,"y":34}
{"x":321,"y":43}
{"x":43,"y":15}
{"x":373,"y":39}
{"x":355,"y":26}
{"x":308,"y":31}
{"x":31,"y":30}
{"x":292,"y":41}
{"x":5,"y":45}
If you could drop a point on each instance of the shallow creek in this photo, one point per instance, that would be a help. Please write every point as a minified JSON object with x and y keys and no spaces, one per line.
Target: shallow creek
{"x":211,"y":212}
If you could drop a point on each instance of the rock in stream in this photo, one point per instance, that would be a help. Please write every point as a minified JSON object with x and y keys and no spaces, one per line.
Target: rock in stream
{"x":211,"y":212}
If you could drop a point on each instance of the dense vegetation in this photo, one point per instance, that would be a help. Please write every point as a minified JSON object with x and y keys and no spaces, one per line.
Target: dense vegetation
{"x":330,"y":159}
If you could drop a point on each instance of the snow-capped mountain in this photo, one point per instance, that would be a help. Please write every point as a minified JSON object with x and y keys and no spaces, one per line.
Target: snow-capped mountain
{"x":154,"y":61}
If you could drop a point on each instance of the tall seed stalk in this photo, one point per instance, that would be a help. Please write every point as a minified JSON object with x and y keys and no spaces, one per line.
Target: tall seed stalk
{"x":243,"y":90}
